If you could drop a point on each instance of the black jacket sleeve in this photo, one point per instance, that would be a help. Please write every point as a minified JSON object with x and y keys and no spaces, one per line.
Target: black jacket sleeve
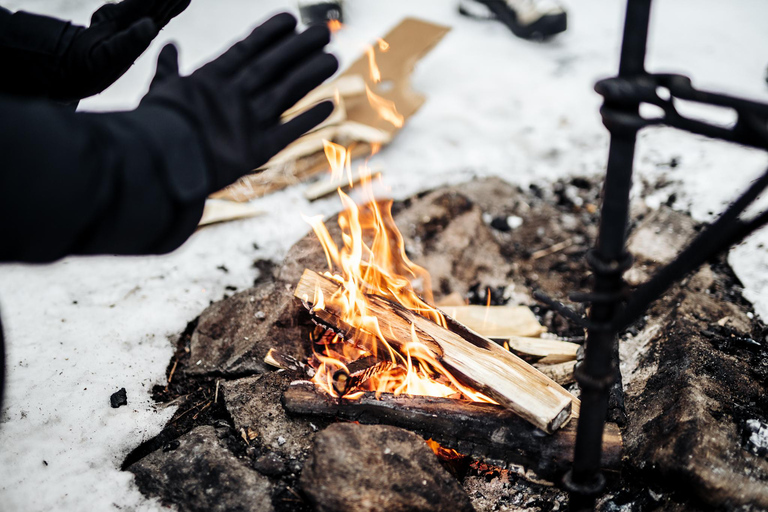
{"x":31,"y":46}
{"x":88,"y":183}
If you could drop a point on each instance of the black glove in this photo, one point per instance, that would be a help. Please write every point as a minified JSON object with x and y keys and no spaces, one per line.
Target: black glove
{"x":42,"y":56}
{"x":234,"y":103}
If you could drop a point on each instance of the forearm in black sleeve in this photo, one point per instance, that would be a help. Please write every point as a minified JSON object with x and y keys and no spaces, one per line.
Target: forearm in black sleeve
{"x":79,"y":183}
{"x":30,"y":49}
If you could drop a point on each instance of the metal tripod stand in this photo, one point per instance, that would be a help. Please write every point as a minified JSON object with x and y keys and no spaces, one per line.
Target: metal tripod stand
{"x":612,"y":306}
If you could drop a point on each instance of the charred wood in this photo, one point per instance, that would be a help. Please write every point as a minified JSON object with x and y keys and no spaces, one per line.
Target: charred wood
{"x":481,"y":430}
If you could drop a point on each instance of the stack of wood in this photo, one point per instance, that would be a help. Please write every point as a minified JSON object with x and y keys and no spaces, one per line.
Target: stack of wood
{"x":354,"y":123}
{"x":530,"y":404}
{"x":476,"y":361}
{"x":517,"y":329}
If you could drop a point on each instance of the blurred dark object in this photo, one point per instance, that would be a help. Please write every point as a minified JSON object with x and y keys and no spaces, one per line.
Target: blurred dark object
{"x":321,"y":12}
{"x":118,"y":398}
{"x":529,"y":19}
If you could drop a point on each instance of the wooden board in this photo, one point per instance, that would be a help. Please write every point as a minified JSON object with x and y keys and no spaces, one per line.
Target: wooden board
{"x":478,"y":362}
{"x":500,"y":322}
{"x":543,"y":350}
{"x":221,"y":211}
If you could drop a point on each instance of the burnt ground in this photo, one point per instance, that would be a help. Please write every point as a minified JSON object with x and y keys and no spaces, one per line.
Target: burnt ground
{"x":694,"y":368}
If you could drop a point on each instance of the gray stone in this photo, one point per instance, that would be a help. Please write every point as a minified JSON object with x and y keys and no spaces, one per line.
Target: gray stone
{"x":362,"y":468}
{"x":661,"y":235}
{"x":201,"y":475}
{"x":234,"y":335}
{"x":270,"y":464}
{"x":254,"y":403}
{"x":691,"y":391}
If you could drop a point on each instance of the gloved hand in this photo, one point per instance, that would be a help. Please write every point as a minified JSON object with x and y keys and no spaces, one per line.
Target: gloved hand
{"x":118,"y":35}
{"x":234,"y":103}
{"x":44,"y":56}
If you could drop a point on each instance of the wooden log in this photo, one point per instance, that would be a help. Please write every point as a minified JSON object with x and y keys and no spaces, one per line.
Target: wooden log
{"x":480,"y":430}
{"x":326,"y":187}
{"x":217,"y":210}
{"x":500,"y":322}
{"x":476,"y":361}
{"x":544,"y":351}
{"x":562,"y":373}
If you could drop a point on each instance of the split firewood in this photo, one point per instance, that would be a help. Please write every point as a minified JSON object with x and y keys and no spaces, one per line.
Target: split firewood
{"x":497,"y":321}
{"x":544,"y":351}
{"x":342,"y":87}
{"x":277,"y":178}
{"x":476,"y":361}
{"x":477,"y":429}
{"x":562,"y":373}
{"x":409,"y":41}
{"x":221,"y":211}
{"x":454,"y":299}
{"x":327,"y":187}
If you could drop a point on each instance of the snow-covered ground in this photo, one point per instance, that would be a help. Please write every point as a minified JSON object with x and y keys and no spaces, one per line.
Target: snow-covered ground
{"x":82,"y":328}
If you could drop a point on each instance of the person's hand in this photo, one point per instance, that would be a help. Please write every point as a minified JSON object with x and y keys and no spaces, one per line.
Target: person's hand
{"x":234,"y":103}
{"x":97,"y":56}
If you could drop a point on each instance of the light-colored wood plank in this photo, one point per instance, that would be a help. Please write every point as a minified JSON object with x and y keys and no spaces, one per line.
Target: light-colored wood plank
{"x":345,"y":86}
{"x":500,"y":322}
{"x":562,"y":373}
{"x":479,"y":363}
{"x":221,"y":211}
{"x":549,"y":351}
{"x":323,"y":188}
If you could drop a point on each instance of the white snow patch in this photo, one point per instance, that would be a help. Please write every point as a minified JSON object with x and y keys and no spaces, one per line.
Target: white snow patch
{"x":496,"y":105}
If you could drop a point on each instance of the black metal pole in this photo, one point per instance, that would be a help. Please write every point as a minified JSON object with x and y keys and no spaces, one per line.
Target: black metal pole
{"x":608,"y":260}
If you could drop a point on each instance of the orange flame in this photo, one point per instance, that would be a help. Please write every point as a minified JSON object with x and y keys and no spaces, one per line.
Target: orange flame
{"x":385,"y":108}
{"x":334,"y":25}
{"x":375,"y":72}
{"x":340,"y":161}
{"x":372,"y":261}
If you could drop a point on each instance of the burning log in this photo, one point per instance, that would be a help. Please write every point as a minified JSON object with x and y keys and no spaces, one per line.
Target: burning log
{"x":477,"y":429}
{"x":476,"y":361}
{"x":357,"y":373}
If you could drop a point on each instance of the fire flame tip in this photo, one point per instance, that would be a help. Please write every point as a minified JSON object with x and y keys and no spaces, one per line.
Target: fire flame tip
{"x":372,"y":261}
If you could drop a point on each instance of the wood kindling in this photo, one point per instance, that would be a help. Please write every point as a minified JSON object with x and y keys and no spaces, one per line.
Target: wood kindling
{"x":476,"y":361}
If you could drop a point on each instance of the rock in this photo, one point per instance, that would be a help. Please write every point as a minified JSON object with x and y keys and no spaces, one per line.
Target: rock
{"x":254,"y":403}
{"x":233,"y":335}
{"x":446,"y":234}
{"x":118,"y":398}
{"x":691,"y":393}
{"x":270,"y":464}
{"x":203,"y":475}
{"x":661,"y":235}
{"x":365,"y":468}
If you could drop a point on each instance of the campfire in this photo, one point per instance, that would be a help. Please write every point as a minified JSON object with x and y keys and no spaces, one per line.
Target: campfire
{"x":378,"y":329}
{"x":372,"y":263}
{"x":373,"y":371}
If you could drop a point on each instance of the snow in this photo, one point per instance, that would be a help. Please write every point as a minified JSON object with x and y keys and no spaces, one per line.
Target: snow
{"x":80,"y":329}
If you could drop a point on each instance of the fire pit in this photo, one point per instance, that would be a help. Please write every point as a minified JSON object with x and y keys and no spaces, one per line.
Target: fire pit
{"x":367,"y":341}
{"x":280,"y":446}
